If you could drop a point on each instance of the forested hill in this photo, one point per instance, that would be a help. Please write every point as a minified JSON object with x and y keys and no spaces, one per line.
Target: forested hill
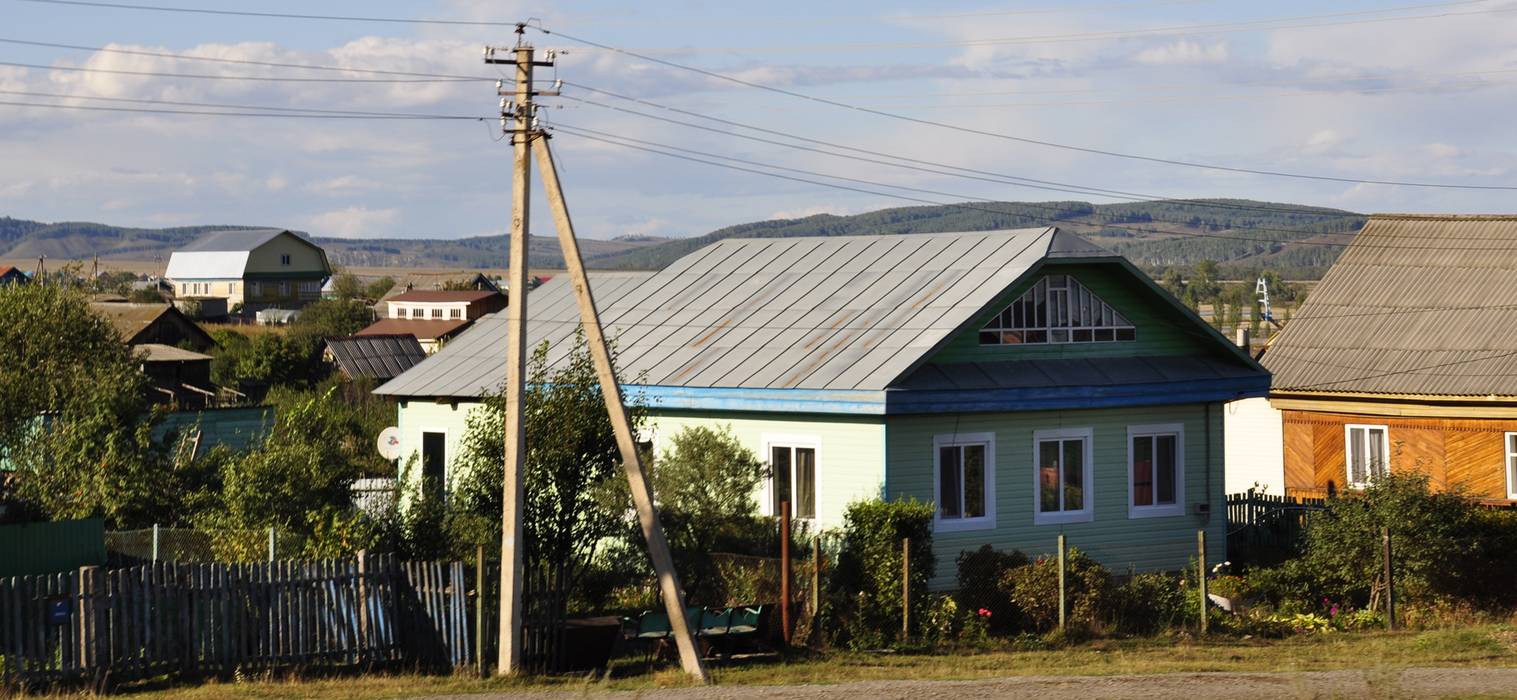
{"x":1243,"y":235}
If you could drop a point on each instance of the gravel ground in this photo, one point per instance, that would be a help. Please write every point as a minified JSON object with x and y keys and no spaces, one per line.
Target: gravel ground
{"x":1375,"y":683}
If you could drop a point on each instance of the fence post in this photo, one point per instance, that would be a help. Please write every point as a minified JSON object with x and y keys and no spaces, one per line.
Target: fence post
{"x":1390,"y":595}
{"x":155,"y":543}
{"x":1201,"y":574}
{"x":905,"y":588}
{"x":1062,"y":606}
{"x":816,"y":578}
{"x":94,"y":638}
{"x":271,"y":543}
{"x":785,"y":574}
{"x":363,"y":603}
{"x":479,"y":609}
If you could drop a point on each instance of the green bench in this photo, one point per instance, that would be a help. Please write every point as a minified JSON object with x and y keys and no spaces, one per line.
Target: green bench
{"x":715,"y":627}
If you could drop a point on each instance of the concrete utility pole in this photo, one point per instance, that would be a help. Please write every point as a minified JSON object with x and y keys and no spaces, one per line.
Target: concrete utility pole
{"x":524,"y":133}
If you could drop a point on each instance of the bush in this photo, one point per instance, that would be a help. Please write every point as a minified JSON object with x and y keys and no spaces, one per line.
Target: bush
{"x":1149,"y":603}
{"x":980,"y":574}
{"x":1035,"y":590}
{"x":869,"y":568}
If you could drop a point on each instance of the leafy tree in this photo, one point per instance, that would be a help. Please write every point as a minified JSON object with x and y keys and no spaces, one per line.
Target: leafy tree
{"x":1173,"y":282}
{"x":379,"y":287}
{"x":145,"y":295}
{"x":705,"y":485}
{"x":329,"y":318}
{"x":575,"y":490}
{"x":348,"y":286}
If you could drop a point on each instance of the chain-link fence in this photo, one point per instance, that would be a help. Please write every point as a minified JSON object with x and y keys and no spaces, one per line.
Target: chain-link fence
{"x":167,"y":544}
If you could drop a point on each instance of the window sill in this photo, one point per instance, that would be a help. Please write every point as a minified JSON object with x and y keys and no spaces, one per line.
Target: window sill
{"x":963,"y":524}
{"x":1082,"y":516}
{"x":1139,"y":512}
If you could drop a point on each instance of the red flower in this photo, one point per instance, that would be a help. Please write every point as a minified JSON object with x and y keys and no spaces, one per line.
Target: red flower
{"x":984,"y":612}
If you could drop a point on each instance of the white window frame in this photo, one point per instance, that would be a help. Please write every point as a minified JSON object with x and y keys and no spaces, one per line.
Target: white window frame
{"x":1348,"y":455}
{"x":1511,"y":466}
{"x":961,"y":524}
{"x":792,"y":440}
{"x":1084,"y":515}
{"x":1157,"y":510}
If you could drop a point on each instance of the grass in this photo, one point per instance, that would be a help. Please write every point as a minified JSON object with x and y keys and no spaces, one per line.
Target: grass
{"x":1481,"y":646}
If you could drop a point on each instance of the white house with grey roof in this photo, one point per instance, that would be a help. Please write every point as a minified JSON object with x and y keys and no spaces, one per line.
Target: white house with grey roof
{"x":1026,"y":382}
{"x":257,"y":268}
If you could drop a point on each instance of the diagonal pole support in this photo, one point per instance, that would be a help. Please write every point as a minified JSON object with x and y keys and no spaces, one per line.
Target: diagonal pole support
{"x":642,"y":492}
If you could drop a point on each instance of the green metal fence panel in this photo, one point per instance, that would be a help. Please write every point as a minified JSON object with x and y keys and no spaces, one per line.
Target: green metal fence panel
{"x":44,"y":548}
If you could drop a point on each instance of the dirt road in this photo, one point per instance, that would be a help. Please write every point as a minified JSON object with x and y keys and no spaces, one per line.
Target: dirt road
{"x":1373,"y":683}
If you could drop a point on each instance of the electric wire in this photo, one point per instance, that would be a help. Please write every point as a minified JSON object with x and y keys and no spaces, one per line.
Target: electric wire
{"x":1020,"y":139}
{"x":212,"y":76}
{"x":289,"y":115}
{"x":414,"y":115}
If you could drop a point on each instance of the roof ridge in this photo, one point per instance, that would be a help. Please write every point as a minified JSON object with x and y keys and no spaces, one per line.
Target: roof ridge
{"x":1443,"y":217}
{"x":1025,"y":229}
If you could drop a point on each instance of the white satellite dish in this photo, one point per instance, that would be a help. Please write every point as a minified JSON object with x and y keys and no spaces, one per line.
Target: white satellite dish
{"x":389,"y":443}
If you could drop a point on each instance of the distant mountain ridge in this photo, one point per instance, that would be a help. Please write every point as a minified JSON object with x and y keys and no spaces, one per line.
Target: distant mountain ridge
{"x":1240,"y":234}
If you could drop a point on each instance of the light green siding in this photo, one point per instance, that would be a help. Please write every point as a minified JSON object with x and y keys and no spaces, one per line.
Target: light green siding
{"x":417,"y":416}
{"x":1112,"y":537}
{"x":1161,"y":329}
{"x":850,"y":463}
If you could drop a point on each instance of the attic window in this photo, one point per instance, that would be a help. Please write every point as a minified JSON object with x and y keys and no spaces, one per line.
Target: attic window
{"x":284,"y":259}
{"x":1057,"y":309}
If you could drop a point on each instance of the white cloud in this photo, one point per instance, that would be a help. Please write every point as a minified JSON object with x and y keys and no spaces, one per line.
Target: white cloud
{"x":1183,"y":52}
{"x":353,"y":222}
{"x":813,"y":210}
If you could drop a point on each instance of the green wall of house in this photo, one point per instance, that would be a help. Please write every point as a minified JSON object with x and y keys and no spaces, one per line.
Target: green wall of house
{"x":1162,"y":330}
{"x":417,"y":416}
{"x":1112,"y":536}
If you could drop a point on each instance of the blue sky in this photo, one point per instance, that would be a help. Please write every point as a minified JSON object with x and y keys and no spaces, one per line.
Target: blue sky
{"x":1336,"y":87}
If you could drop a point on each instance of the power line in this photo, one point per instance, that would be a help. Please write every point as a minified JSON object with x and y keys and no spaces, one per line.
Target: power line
{"x":289,"y":115}
{"x":1411,"y":370}
{"x":310,"y":110}
{"x":240,"y":61}
{"x":275,"y":15}
{"x":1018,"y":139}
{"x":631,"y":143}
{"x":210,"y":76}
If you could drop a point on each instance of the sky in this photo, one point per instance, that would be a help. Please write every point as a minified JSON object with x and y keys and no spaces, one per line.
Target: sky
{"x":1403,"y":91}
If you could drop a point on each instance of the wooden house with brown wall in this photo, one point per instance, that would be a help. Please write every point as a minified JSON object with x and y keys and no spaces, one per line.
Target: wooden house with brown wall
{"x":1405,"y":358}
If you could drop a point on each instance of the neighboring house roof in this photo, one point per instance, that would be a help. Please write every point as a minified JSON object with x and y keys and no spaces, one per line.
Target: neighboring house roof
{"x":443,"y":296}
{"x":157,"y":352}
{"x":844,"y":316}
{"x":376,"y":356}
{"x":1416,"y":305}
{"x":12,"y":272}
{"x":224,"y":254}
{"x":421,"y":329}
{"x":437,"y":281}
{"x":131,"y":320}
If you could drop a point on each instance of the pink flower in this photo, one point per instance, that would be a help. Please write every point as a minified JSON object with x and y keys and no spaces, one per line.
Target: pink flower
{"x":984,"y":612}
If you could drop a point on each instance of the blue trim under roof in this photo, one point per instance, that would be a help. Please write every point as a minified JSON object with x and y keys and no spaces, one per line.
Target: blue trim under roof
{"x":903,"y":402}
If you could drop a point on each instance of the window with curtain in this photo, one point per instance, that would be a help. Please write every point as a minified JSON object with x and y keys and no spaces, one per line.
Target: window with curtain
{"x":1156,"y":470}
{"x":1511,"y":466}
{"x":965,"y":480}
{"x":1063,"y":476}
{"x":793,"y":479}
{"x":1366,"y":449}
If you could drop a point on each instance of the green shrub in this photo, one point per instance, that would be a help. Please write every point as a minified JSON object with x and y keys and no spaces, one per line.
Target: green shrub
{"x":867,"y":585}
{"x":980,"y":574}
{"x":1035,"y":590}
{"x":1149,"y":603}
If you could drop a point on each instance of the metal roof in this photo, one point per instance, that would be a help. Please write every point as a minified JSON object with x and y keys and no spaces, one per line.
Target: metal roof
{"x":223,"y":254}
{"x":1058,"y":372}
{"x":1417,"y":304}
{"x":376,"y":356}
{"x":422,"y":329}
{"x":233,"y":240}
{"x":444,"y":295}
{"x":826,"y":313}
{"x":158,"y":352}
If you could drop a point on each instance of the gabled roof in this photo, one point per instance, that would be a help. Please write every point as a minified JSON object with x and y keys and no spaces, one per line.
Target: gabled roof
{"x":1422,"y":305}
{"x":376,"y":356}
{"x":158,"y":352}
{"x":839,"y":313}
{"x":435,"y":281}
{"x":421,"y":329}
{"x":224,"y":254}
{"x":132,"y":319}
{"x":444,"y":296}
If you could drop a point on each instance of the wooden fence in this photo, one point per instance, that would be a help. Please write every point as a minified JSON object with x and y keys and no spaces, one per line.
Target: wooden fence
{"x":1257,"y":520}
{"x":103,"y":626}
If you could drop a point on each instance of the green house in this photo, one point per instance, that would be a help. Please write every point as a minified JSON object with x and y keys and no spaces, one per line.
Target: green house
{"x":1027,"y":382}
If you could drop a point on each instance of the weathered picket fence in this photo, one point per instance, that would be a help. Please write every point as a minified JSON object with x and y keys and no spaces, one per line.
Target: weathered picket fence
{"x":1256,"y":520}
{"x":104,"y":626}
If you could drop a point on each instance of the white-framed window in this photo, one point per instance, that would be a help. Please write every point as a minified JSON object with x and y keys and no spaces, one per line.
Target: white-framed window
{"x":793,"y":472}
{"x":1155,"y":470}
{"x":1366,"y":449}
{"x":1058,"y":309}
{"x":231,"y":287}
{"x":455,"y":313}
{"x":964,"y":467}
{"x":1062,"y":476}
{"x":1511,"y":466}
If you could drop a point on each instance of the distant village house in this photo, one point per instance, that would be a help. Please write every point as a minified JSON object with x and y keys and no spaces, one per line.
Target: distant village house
{"x":251,"y":269}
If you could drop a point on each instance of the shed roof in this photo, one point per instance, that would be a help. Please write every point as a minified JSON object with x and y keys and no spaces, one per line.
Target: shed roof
{"x":376,"y":356}
{"x":1417,"y":304}
{"x":821,"y":313}
{"x":158,"y":352}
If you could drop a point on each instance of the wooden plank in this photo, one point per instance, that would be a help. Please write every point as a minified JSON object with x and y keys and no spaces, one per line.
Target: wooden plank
{"x":1476,"y":458}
